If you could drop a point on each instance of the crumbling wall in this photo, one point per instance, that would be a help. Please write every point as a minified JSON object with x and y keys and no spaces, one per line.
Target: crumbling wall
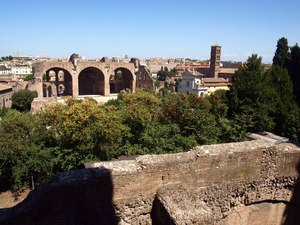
{"x":201,"y":186}
{"x":183,"y":204}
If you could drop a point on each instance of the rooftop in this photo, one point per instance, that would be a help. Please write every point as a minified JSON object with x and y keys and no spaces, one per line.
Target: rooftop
{"x":4,"y":87}
{"x":214,"y":80}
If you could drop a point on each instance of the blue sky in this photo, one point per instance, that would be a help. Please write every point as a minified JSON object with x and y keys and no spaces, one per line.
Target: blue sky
{"x":95,"y":28}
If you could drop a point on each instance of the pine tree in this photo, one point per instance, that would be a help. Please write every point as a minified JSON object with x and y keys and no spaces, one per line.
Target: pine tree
{"x":282,"y":54}
{"x":294,"y":70}
{"x":251,"y":97}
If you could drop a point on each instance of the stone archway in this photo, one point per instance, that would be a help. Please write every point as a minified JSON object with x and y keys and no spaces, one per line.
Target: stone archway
{"x":122,"y":79}
{"x":91,"y":81}
{"x":59,"y":77}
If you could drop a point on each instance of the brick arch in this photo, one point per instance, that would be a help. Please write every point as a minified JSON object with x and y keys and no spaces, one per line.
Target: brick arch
{"x":56,"y":81}
{"x":107,"y":69}
{"x":91,"y":81}
{"x":48,"y":66}
{"x":121,"y":79}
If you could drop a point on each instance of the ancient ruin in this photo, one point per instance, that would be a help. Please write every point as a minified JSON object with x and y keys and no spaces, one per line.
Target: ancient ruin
{"x":252,"y":182}
{"x":75,"y":77}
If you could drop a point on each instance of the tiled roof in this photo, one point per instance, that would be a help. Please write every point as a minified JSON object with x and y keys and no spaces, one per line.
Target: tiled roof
{"x":192,"y":73}
{"x":4,"y":87}
{"x":228,"y":70}
{"x":214,"y":80}
{"x":2,"y":67}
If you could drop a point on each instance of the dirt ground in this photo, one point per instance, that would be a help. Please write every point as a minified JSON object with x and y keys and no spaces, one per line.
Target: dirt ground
{"x":9,"y":199}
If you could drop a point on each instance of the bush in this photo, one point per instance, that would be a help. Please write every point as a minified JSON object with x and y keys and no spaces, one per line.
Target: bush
{"x":22,"y":100}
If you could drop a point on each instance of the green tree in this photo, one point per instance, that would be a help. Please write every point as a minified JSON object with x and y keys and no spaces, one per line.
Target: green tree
{"x":252,"y":96}
{"x":294,"y":70}
{"x":22,"y":100}
{"x":191,"y":116}
{"x":162,"y":75}
{"x":22,"y":155}
{"x":140,"y":109}
{"x":282,"y":55}
{"x":157,"y":84}
{"x":29,"y":77}
{"x":82,"y":131}
{"x":173,"y":72}
{"x":160,"y":138}
{"x":291,"y":127}
{"x":284,"y":99}
{"x":46,"y":77}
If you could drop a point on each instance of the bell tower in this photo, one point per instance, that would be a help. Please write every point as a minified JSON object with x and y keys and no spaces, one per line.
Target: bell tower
{"x":215,"y":61}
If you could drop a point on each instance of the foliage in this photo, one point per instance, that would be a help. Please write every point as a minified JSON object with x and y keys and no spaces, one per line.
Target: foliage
{"x":3,"y":112}
{"x":263,"y":100}
{"x":29,"y":77}
{"x":21,"y":153}
{"x":294,"y":70}
{"x":7,"y":58}
{"x":140,"y":109}
{"x":162,"y":75}
{"x":284,"y":101}
{"x":157,"y":84}
{"x":173,"y":72}
{"x":232,"y":130}
{"x":164,"y":138}
{"x":83,"y":131}
{"x":46,"y":77}
{"x":282,"y":55}
{"x":252,"y":96}
{"x":22,"y":100}
{"x":165,"y":73}
{"x":289,"y":58}
{"x":291,"y":125}
{"x":192,"y":120}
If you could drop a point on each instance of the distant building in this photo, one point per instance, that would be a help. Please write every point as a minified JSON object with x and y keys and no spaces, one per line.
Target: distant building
{"x":154,"y":68}
{"x":215,"y":61}
{"x":210,"y":79}
{"x":6,"y":93}
{"x":4,"y":70}
{"x":5,"y":73}
{"x":217,"y":69}
{"x":192,"y":83}
{"x":227,"y":73}
{"x":144,"y":78}
{"x":214,"y":84}
{"x":21,"y":71}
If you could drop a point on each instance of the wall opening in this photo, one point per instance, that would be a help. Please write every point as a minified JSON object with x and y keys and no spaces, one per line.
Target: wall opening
{"x":122,"y":79}
{"x":57,"y":78}
{"x":91,"y":81}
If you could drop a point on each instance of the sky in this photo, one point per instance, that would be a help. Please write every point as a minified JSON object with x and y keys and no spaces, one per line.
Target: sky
{"x":144,"y":29}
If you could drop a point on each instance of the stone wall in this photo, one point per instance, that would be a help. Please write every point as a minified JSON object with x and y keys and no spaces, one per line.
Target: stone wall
{"x":107,"y":69}
{"x":202,"y":186}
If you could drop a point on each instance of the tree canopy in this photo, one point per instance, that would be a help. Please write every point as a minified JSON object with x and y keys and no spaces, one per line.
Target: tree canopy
{"x":251,"y":96}
{"x":22,"y":100}
{"x":282,"y":54}
{"x":294,"y":70}
{"x":64,"y":136}
{"x":263,"y":99}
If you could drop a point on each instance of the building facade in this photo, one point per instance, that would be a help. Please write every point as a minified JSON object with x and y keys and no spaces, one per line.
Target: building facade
{"x":4,"y":70}
{"x":192,"y":84}
{"x":21,"y":71}
{"x":6,"y":93}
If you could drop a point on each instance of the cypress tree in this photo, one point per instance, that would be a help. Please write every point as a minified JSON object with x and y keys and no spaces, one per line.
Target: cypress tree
{"x":282,"y":54}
